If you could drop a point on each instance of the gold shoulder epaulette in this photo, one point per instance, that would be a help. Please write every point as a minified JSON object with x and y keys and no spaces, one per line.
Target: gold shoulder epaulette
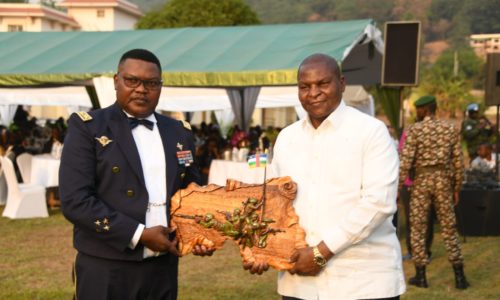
{"x":84,"y":116}
{"x":186,"y":125}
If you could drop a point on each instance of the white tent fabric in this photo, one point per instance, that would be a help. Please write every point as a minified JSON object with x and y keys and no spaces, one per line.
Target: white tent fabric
{"x":60,"y":96}
{"x":171,"y":99}
{"x":193,"y":99}
{"x":273,"y":97}
{"x":243,"y":103}
{"x":225,"y":119}
{"x":7,"y":113}
{"x":105,"y":90}
{"x":205,"y":99}
{"x":73,"y":97}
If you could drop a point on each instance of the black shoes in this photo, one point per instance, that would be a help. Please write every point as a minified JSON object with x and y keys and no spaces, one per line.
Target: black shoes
{"x":419,"y":280}
{"x":460,"y":281}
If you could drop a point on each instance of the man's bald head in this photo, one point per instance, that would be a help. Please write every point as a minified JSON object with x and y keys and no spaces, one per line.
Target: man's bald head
{"x":320,"y":58}
{"x":320,"y":86}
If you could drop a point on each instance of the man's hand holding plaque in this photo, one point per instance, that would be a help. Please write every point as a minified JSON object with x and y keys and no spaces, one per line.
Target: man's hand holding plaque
{"x":264,"y":227}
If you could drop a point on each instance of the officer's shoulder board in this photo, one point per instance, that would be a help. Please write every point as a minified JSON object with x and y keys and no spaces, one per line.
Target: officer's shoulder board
{"x":186,"y":125}
{"x":84,"y":116}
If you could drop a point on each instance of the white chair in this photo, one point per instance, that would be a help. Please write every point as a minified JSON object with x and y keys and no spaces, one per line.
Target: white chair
{"x":23,"y":200}
{"x":24,"y":164}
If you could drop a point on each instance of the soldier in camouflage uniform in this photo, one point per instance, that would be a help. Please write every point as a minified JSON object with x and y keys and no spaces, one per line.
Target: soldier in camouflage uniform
{"x":433,"y":148}
{"x":476,"y":130}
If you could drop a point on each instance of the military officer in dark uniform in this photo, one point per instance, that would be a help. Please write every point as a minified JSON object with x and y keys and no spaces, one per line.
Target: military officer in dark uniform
{"x":432,"y":147}
{"x":119,"y":169}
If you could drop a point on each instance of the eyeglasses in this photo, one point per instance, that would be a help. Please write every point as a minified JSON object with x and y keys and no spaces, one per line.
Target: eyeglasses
{"x":133,"y":82}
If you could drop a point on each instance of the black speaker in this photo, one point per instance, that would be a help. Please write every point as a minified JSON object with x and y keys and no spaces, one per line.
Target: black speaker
{"x":492,"y":86}
{"x":401,"y":55}
{"x":478,"y":212}
{"x":471,"y":212}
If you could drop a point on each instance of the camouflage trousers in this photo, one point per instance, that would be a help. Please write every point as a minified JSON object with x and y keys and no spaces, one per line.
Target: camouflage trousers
{"x":433,"y":188}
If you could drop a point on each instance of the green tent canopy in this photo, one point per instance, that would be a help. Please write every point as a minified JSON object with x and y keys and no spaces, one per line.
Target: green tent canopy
{"x":239,"y":56}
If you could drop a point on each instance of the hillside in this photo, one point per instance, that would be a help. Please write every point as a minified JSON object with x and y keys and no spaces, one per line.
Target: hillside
{"x":450,"y":20}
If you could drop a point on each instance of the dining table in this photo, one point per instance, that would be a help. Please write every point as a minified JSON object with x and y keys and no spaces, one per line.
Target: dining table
{"x":45,"y":170}
{"x":221,"y":170}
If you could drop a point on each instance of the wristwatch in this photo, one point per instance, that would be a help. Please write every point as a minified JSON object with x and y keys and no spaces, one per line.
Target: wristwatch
{"x":319,"y":259}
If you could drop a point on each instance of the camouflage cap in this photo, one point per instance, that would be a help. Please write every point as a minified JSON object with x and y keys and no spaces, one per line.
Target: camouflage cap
{"x":424,"y":100}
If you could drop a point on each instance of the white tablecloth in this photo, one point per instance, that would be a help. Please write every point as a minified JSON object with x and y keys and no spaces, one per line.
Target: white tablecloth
{"x":220,"y":170}
{"x":45,"y":170}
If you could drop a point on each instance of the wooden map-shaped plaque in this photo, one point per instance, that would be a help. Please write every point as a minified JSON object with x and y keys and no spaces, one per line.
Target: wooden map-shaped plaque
{"x":212,"y":214}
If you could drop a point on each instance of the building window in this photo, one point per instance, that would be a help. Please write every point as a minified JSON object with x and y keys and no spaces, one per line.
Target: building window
{"x":100,"y":13}
{"x":13,"y":28}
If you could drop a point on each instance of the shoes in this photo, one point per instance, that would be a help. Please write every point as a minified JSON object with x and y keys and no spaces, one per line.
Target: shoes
{"x":419,"y":280}
{"x":460,"y":280}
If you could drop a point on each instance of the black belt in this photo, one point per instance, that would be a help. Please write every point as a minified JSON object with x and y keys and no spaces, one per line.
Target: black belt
{"x":430,"y":169}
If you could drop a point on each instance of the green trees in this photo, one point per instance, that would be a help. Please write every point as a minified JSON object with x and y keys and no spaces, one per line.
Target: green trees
{"x":451,"y":79}
{"x":454,"y":20}
{"x":182,"y":13}
{"x":484,"y":15}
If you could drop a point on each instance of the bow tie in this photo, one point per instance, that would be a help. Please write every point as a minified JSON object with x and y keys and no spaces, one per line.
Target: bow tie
{"x":133,"y":122}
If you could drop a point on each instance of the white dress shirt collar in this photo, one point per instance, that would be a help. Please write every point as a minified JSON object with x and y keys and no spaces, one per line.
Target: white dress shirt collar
{"x":334,"y":119}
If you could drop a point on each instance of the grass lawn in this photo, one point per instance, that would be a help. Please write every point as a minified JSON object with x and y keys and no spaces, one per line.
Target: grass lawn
{"x":36,"y":257}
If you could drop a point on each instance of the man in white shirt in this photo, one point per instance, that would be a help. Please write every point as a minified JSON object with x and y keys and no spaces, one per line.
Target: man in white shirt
{"x":119,"y":169}
{"x":485,"y":160}
{"x":346,"y":168}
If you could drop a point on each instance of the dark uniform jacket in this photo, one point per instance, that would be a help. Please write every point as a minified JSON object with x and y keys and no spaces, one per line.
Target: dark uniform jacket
{"x":102,"y":185}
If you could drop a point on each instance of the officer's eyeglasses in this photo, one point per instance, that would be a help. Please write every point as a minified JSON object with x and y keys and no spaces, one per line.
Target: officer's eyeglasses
{"x":134,"y":82}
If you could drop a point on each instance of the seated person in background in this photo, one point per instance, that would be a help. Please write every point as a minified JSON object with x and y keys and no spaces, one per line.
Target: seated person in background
{"x":486,"y":160}
{"x":204,"y":155}
{"x":4,"y":137}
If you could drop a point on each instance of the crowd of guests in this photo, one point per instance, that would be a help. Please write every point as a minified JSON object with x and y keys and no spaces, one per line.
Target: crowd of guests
{"x":26,"y":135}
{"x":211,"y":144}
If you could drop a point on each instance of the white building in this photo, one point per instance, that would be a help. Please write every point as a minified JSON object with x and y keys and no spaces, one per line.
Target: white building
{"x":485,"y":43}
{"x":103,"y":15}
{"x":85,"y":15}
{"x":34,"y":17}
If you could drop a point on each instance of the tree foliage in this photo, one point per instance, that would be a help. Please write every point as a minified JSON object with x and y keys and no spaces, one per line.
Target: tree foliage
{"x":451,"y":79}
{"x":196,"y":13}
{"x":451,"y":20}
{"x":484,"y":15}
{"x":454,"y":20}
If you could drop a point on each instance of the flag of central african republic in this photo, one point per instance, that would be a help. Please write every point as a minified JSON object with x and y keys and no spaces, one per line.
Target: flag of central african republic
{"x":257,"y":160}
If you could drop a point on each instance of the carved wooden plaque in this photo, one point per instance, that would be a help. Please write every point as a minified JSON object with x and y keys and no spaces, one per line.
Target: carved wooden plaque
{"x":264,"y":230}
